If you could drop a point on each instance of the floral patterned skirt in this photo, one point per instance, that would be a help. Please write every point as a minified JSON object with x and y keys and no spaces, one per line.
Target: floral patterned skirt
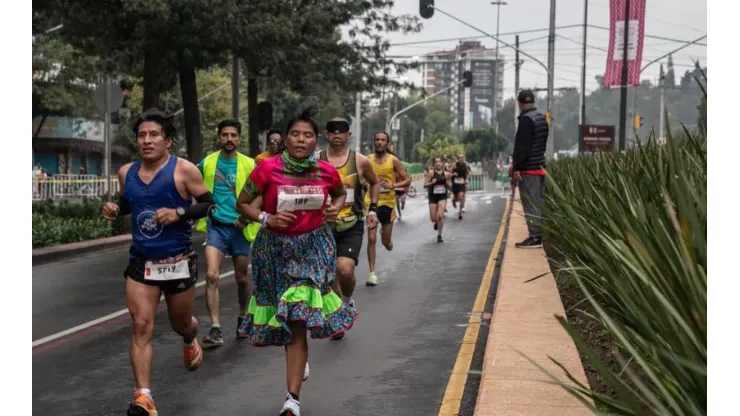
{"x":293,"y":277}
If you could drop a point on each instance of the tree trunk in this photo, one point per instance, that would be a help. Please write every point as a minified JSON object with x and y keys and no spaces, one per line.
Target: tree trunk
{"x":254,"y":139}
{"x":189,"y":92}
{"x":151,"y":84}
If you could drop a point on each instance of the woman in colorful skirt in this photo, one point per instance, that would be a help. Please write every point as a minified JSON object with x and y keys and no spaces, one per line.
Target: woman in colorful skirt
{"x":294,"y":254}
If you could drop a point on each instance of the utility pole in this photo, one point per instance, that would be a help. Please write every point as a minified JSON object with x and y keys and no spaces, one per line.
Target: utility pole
{"x":517,"y":66}
{"x":583,"y":63}
{"x":235,"y":87}
{"x":623,"y":92}
{"x":551,"y":79}
{"x":358,"y":122}
{"x":498,"y":5}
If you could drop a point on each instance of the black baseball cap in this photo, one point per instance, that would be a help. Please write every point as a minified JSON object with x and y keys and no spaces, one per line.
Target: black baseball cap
{"x":525,"y":97}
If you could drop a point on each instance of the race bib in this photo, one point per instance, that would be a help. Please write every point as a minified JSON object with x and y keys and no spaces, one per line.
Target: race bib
{"x":350,"y":195}
{"x":300,"y":198}
{"x":171,"y":268}
{"x":399,"y":189}
{"x":459,"y":180}
{"x":384,"y":188}
{"x":439,"y":189}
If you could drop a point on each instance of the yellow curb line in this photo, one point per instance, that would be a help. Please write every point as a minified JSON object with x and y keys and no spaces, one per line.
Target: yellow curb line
{"x":456,"y":385}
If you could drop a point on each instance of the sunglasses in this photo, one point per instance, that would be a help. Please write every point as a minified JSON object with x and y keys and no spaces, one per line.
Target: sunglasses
{"x":274,"y":142}
{"x":339,"y":126}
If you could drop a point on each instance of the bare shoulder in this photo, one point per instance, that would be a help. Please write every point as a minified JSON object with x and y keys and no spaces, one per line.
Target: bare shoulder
{"x":122,"y":172}
{"x":186,"y":168}
{"x":361,"y":160}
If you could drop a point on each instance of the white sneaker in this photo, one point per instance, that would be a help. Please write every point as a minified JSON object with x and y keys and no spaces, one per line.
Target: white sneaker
{"x":291,"y":407}
{"x":372,"y":280}
{"x":306,"y":373}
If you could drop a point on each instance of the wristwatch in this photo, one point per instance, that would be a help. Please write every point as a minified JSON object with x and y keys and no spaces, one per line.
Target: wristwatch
{"x":261,"y":216}
{"x":180,"y":212}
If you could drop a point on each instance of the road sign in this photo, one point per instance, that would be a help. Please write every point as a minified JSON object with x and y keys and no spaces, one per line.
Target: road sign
{"x":596,"y":138}
{"x":115,"y":97}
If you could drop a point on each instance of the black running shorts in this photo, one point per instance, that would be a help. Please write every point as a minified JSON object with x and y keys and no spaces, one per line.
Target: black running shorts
{"x":136,"y":271}
{"x":457,"y":188}
{"x":349,"y":241}
{"x":385,"y":214}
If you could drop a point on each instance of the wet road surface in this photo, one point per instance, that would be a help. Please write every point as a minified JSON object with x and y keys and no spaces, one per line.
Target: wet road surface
{"x":396,"y":360}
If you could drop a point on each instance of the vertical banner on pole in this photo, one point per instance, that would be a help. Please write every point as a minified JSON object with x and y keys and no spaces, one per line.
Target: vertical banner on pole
{"x":613,"y":74}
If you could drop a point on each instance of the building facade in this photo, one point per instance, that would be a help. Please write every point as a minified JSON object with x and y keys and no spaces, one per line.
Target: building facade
{"x":68,"y":145}
{"x":472,"y":107}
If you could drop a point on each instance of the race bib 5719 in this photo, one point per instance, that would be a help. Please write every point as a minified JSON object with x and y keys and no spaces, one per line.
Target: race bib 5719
{"x":171,"y":268}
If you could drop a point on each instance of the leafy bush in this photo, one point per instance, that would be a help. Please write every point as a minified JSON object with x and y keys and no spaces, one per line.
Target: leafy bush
{"x":49,"y":230}
{"x":632,"y":229}
{"x":60,"y":222}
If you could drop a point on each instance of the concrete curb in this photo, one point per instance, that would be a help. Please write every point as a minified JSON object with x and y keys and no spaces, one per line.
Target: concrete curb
{"x":523,"y":323}
{"x":63,"y":251}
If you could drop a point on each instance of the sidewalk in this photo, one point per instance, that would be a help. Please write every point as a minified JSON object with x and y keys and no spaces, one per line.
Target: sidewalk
{"x":523,"y":320}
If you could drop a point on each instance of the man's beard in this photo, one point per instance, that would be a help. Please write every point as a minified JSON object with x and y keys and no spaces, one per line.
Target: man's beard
{"x":226,"y":149}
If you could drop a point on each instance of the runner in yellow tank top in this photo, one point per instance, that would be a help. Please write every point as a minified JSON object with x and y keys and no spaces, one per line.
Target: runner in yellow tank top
{"x":349,"y":228}
{"x":386,"y":166}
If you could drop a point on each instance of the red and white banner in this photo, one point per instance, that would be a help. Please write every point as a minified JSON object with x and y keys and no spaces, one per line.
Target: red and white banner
{"x":613,"y":74}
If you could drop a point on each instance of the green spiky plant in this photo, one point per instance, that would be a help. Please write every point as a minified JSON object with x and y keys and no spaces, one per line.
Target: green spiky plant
{"x":632,"y":230}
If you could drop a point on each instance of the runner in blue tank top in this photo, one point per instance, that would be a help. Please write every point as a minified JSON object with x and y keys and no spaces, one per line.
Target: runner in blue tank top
{"x":157,"y":191}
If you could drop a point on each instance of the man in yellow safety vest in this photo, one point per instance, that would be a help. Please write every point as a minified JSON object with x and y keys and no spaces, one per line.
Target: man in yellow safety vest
{"x":225,"y":172}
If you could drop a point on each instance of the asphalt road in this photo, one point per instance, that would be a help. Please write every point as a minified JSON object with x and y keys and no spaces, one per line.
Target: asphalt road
{"x":396,"y":360}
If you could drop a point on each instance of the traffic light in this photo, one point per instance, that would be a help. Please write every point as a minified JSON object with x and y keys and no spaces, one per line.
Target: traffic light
{"x":467,"y":79}
{"x":548,"y":118}
{"x":426,"y":8}
{"x":637,"y":121}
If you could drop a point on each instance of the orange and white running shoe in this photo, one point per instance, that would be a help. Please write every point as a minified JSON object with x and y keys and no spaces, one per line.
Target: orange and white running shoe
{"x":142,"y":405}
{"x":192,"y":355}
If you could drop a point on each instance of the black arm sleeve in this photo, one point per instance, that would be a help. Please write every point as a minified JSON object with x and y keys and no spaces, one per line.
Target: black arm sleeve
{"x":523,"y":142}
{"x":203,"y":207}
{"x":124,"y":207}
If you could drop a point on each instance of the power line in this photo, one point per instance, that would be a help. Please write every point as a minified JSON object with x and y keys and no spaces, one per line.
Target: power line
{"x":581,"y":43}
{"x":656,"y":37}
{"x":519,"y":32}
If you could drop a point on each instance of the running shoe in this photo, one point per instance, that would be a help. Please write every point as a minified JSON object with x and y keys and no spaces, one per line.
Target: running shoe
{"x":372,"y":280}
{"x":435,"y":226}
{"x":439,"y":239}
{"x":291,"y":407}
{"x":389,"y":247}
{"x":240,"y":332}
{"x":142,"y":405}
{"x":215,"y":337}
{"x":192,"y":355}
{"x":306,"y":372}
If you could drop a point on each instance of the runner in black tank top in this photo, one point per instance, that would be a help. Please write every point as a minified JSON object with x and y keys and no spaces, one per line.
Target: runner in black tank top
{"x":437,"y":182}
{"x":460,"y":173}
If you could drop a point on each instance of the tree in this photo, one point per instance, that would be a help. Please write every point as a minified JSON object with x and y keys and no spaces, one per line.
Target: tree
{"x":670,"y":76}
{"x":439,"y":146}
{"x":300,"y":43}
{"x":484,"y":143}
{"x":62,"y":76}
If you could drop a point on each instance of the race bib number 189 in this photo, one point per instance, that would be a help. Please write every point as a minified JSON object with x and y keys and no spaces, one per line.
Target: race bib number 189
{"x":172,"y":268}
{"x":439,"y":189}
{"x":300,"y":198}
{"x":459,"y":180}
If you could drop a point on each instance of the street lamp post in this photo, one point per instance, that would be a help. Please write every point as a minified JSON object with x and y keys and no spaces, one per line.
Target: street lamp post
{"x":498,"y":5}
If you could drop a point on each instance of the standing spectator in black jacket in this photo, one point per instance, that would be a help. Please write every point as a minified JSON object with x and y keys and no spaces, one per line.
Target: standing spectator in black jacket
{"x":528,"y":168}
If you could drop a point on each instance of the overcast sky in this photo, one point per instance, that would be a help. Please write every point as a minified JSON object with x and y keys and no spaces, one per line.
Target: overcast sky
{"x":678,"y":19}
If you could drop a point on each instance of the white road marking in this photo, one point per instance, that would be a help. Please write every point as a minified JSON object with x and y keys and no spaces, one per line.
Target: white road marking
{"x":105,"y":318}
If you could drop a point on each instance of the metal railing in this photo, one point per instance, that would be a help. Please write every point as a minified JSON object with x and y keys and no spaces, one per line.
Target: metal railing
{"x":68,"y":186}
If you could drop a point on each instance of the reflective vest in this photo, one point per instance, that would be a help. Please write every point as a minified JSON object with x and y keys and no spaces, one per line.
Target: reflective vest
{"x":244,"y":166}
